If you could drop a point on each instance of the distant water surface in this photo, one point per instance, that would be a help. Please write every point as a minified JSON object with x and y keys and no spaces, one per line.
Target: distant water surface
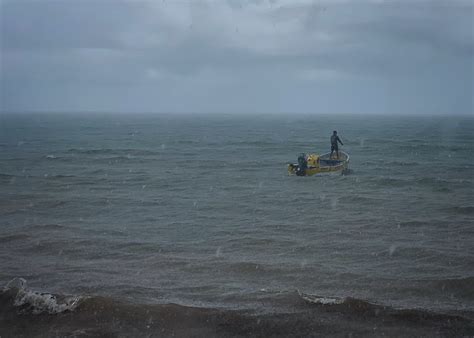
{"x":199,"y":210}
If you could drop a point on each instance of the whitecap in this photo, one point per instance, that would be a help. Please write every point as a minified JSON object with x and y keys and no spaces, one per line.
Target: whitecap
{"x":39,"y":302}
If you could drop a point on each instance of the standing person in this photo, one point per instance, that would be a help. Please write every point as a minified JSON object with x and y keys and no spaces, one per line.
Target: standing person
{"x":334,"y":145}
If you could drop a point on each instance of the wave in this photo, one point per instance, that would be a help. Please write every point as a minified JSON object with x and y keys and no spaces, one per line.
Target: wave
{"x":432,"y":181}
{"x":431,"y":147}
{"x":45,"y":176}
{"x":50,"y":226}
{"x":321,"y":299}
{"x":28,"y":301}
{"x":55,"y":157}
{"x":97,"y":171}
{"x":59,"y":176}
{"x":7,"y":176}
{"x":24,"y":312}
{"x":253,"y":268}
{"x":358,"y":199}
{"x":391,"y":182}
{"x":461,"y":285}
{"x":363,"y":307}
{"x":468,"y":210}
{"x":256,"y":143}
{"x":402,"y":163}
{"x":116,"y":158}
{"x":429,"y":182}
{"x":14,"y":237}
{"x":110,"y":151}
{"x":413,"y":224}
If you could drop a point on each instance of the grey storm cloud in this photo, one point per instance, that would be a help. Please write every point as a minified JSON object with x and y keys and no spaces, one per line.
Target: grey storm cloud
{"x":250,"y":56}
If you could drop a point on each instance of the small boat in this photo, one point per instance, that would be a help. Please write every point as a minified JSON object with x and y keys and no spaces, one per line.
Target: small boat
{"x":312,"y":164}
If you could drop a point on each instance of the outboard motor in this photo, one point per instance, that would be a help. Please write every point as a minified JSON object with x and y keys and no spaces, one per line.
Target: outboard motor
{"x":302,"y":165}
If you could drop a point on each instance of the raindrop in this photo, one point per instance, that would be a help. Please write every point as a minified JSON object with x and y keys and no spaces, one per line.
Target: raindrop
{"x":334,"y":202}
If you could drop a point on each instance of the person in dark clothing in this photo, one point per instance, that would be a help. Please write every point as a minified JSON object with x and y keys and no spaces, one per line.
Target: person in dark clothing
{"x":334,"y":146}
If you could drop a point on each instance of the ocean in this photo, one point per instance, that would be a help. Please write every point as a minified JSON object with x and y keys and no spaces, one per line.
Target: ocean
{"x":189,"y":225}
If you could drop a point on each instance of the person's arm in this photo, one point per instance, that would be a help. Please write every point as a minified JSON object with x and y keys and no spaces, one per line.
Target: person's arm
{"x":340,"y":141}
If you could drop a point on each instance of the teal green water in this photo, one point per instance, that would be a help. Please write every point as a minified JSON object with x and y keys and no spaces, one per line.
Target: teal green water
{"x":199,"y":210}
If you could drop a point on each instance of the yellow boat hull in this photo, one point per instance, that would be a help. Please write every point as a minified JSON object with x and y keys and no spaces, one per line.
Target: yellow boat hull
{"x":324,"y":165}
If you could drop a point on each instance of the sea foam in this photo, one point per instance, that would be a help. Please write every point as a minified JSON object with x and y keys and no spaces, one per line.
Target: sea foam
{"x":39,"y":302}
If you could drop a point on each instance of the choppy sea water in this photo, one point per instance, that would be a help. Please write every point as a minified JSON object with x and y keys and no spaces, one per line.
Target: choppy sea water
{"x":198,"y":210}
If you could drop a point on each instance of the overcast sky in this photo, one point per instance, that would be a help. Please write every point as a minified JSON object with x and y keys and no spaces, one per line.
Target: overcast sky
{"x":248,"y":56}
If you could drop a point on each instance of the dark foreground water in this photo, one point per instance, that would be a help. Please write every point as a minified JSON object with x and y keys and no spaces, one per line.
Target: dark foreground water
{"x":116,"y":216}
